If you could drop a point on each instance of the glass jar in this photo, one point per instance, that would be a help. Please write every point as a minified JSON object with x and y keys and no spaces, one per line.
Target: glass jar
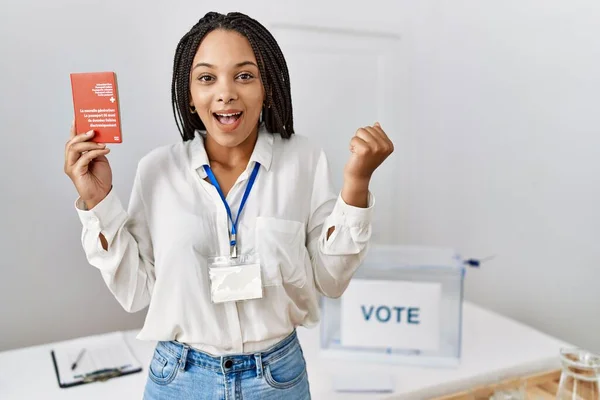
{"x":580,"y":376}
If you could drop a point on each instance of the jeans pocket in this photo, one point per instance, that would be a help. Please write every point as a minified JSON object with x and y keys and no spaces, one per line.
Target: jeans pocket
{"x":163,"y":367}
{"x":287,"y":371}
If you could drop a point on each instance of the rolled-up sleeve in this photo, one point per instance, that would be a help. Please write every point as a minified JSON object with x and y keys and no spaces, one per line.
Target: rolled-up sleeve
{"x":335,"y":259}
{"x":127,"y":266}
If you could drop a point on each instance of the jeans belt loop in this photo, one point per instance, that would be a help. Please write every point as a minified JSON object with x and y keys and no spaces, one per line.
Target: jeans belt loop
{"x":259,"y":365}
{"x":183,"y":359}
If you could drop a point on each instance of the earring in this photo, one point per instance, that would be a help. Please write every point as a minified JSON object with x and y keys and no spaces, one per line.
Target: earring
{"x":192,"y":110}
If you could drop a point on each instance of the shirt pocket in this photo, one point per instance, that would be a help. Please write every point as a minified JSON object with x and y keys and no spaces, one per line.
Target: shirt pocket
{"x":281,"y":248}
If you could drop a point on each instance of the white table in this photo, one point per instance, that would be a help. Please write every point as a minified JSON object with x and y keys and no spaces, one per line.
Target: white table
{"x":493,"y":347}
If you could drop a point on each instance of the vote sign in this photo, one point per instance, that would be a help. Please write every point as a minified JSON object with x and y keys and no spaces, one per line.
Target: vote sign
{"x":391,"y":314}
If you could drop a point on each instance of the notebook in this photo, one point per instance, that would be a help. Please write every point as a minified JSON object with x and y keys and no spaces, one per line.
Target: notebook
{"x":97,"y":358}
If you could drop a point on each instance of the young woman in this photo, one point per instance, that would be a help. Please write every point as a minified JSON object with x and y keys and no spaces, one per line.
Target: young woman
{"x":232,"y":234}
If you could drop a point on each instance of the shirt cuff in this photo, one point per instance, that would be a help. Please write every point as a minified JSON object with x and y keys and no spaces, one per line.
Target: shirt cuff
{"x":102,"y":215}
{"x":353,"y":216}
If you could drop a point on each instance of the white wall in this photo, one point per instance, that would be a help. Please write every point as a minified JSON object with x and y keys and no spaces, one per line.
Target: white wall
{"x":497,"y":154}
{"x":505,"y":131}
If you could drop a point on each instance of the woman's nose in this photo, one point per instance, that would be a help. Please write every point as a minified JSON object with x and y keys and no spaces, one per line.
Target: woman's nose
{"x":227,"y":93}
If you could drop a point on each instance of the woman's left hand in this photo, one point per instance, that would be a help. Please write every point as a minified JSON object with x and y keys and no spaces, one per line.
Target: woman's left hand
{"x":370,"y":146}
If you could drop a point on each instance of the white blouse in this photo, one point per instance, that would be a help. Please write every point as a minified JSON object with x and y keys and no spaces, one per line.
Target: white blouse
{"x":158,"y":248}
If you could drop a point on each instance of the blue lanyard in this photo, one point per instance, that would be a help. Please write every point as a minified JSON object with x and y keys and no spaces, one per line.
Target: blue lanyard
{"x":211,"y":176}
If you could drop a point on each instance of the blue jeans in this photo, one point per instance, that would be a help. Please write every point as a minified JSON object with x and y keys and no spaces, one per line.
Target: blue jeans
{"x":178,"y":372}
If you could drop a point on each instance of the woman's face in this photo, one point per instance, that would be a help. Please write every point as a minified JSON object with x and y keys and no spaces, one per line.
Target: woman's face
{"x":226,"y":88}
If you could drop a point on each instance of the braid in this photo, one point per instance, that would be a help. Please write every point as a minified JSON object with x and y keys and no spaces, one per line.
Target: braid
{"x":277,"y":111}
{"x":186,"y":122}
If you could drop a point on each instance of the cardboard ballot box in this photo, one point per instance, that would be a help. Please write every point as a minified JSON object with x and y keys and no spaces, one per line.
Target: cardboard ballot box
{"x":403,"y":305}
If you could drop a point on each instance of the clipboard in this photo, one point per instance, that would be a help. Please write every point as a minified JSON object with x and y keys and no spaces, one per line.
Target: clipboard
{"x":106,"y":357}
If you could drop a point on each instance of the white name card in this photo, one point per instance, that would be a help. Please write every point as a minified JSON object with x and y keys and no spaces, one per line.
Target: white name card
{"x":391,"y":314}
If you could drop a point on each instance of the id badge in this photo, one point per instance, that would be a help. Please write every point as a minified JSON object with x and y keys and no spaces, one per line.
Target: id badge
{"x":235,"y":279}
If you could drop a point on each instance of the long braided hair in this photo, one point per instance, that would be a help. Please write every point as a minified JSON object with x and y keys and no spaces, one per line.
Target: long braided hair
{"x":277,"y":110}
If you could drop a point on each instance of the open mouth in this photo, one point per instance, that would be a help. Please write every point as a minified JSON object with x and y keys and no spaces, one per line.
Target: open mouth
{"x":228,"y":118}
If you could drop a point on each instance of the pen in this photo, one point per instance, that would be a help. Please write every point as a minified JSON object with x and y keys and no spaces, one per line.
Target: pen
{"x":102,"y":374}
{"x":78,"y":359}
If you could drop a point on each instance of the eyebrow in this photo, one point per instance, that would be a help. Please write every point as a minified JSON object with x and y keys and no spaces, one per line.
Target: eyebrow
{"x":240,"y":64}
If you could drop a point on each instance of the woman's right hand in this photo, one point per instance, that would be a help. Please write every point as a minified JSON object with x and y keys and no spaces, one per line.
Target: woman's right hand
{"x":87,"y":166}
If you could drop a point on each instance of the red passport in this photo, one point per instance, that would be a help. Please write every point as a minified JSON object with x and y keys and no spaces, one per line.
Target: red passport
{"x":96,"y":104}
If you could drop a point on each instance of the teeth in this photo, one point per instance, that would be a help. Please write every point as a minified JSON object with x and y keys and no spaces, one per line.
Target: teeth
{"x":227,"y":115}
